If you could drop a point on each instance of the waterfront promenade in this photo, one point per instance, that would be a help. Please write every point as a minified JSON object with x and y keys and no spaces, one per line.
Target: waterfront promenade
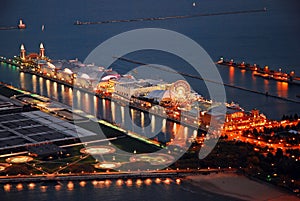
{"x":168,"y":173}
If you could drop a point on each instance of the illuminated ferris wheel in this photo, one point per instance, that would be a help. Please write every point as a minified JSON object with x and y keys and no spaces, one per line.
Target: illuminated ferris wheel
{"x":180,"y":91}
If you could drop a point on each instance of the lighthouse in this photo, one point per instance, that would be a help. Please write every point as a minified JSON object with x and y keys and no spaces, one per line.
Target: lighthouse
{"x":42,"y":51}
{"x":23,"y":52}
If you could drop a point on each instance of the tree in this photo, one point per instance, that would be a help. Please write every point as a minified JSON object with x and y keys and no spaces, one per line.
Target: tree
{"x":279,"y":153}
{"x":253,"y":160}
{"x":270,"y":155}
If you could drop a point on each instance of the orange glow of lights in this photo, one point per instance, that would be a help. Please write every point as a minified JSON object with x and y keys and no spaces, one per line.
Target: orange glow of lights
{"x":148,"y":181}
{"x":82,"y":183}
{"x":157,"y":180}
{"x":243,"y":71}
{"x":7,"y":187}
{"x":31,"y":186}
{"x":178,"y":181}
{"x":107,"y":182}
{"x":119,"y":182}
{"x":167,"y":181}
{"x":129,"y":182}
{"x":43,"y":188}
{"x":282,"y":89}
{"x":231,"y":73}
{"x":57,"y":187}
{"x":70,"y":185}
{"x":94,"y":183}
{"x":139,"y":182}
{"x":19,"y":187}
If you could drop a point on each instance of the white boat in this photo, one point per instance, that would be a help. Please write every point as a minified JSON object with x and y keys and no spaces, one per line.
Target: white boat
{"x":21,"y":25}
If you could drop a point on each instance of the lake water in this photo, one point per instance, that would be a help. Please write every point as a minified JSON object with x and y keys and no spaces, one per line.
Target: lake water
{"x":111,"y":192}
{"x":267,"y":38}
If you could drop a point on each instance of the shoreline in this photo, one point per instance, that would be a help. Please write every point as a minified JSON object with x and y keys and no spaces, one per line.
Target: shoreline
{"x":79,"y":177}
{"x":239,"y":186}
{"x":107,"y":175}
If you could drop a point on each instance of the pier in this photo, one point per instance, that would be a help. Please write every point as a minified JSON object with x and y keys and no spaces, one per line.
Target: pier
{"x":162,"y":112}
{"x":212,"y":81}
{"x":27,"y":70}
{"x":8,"y":28}
{"x":264,"y":72}
{"x":170,"y":17}
{"x":117,"y":104}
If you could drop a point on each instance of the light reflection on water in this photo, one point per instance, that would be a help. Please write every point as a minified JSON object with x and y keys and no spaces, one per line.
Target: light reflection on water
{"x":127,"y":189}
{"x":282,"y":89}
{"x":234,"y":76}
{"x":231,"y":74}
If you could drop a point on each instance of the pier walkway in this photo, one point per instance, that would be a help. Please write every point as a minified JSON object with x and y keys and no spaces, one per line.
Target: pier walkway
{"x":171,"y":17}
{"x":10,"y":61}
{"x":212,"y":81}
{"x":111,"y":175}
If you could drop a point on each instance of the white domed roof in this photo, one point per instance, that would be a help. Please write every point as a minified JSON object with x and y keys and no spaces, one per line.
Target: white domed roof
{"x":85,"y":76}
{"x":51,"y":65}
{"x":67,"y":70}
{"x":160,"y":95}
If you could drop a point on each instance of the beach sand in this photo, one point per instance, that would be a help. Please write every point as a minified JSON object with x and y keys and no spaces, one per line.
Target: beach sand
{"x":240,"y":187}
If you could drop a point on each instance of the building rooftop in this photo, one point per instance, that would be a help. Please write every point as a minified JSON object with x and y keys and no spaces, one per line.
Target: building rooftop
{"x":132,"y":83}
{"x":21,"y":129}
{"x":159,"y":95}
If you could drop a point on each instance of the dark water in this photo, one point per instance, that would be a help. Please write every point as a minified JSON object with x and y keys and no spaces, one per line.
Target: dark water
{"x":269,"y":38}
{"x":112,"y":192}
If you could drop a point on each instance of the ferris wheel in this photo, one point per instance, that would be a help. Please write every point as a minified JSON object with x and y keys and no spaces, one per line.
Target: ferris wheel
{"x":180,"y":91}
